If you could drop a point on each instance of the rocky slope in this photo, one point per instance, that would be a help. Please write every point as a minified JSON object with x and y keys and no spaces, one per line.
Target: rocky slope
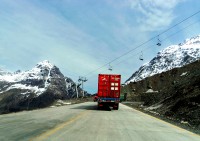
{"x":174,"y":56}
{"x":169,"y":85}
{"x":174,"y":94}
{"x":36,"y":88}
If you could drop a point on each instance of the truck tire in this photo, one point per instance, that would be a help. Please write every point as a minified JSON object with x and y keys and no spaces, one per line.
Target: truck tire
{"x":99,"y":107}
{"x":116,"y":106}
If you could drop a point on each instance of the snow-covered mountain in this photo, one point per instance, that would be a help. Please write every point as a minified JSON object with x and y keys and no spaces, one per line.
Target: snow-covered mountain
{"x":3,"y":72}
{"x":174,"y":56}
{"x":36,"y":80}
{"x":31,"y":80}
{"x":37,"y":87}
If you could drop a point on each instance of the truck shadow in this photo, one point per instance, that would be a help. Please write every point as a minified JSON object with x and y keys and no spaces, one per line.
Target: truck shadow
{"x":93,"y":107}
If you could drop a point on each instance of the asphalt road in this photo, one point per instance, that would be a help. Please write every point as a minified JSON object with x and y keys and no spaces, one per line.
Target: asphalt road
{"x":83,"y":122}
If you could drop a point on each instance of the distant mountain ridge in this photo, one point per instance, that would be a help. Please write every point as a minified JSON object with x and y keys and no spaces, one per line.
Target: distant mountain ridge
{"x":174,"y":56}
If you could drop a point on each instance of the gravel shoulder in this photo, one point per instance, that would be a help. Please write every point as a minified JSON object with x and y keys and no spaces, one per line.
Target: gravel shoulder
{"x":138,"y":106}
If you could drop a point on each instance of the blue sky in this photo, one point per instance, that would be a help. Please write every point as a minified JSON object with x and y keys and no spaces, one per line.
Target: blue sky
{"x":80,"y":36}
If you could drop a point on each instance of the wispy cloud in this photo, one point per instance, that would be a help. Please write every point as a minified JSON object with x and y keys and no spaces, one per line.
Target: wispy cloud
{"x":38,"y":34}
{"x":154,"y":14}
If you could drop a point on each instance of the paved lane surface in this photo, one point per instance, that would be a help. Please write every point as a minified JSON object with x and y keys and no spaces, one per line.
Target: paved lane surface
{"x":83,"y":122}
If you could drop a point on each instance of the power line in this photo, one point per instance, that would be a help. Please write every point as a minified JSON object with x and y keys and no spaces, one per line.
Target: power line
{"x":144,"y":42}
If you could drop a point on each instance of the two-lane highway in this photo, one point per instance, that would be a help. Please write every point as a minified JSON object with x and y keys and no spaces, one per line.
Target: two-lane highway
{"x":85,"y":123}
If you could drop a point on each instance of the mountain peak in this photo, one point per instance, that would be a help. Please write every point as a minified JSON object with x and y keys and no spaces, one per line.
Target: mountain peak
{"x":36,"y":80}
{"x":193,"y":40}
{"x":45,"y":64}
{"x":4,"y":72}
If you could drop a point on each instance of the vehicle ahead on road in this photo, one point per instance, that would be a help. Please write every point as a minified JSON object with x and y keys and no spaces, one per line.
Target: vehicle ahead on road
{"x":109,"y":90}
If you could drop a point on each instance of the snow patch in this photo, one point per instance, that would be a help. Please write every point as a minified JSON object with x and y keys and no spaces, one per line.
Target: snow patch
{"x":151,"y":91}
{"x":153,"y":107}
{"x":25,"y":93}
{"x":183,"y":74}
{"x":34,"y":89}
{"x":63,"y":103}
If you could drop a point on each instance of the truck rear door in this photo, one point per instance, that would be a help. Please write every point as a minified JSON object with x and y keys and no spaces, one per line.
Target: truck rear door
{"x":109,"y":86}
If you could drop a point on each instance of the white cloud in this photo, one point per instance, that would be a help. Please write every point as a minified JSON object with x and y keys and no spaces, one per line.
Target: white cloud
{"x":154,"y":14}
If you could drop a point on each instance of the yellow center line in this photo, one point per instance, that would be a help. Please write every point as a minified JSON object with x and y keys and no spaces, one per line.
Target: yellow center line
{"x":57,"y":128}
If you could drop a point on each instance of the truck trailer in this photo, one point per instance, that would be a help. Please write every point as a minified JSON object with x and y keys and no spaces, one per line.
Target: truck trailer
{"x":109,"y":90}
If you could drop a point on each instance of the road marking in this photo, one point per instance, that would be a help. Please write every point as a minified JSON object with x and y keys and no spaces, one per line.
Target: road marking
{"x":174,"y":126}
{"x":57,"y":128}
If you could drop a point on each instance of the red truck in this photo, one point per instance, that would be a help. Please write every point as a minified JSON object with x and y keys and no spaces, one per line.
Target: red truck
{"x":109,"y":90}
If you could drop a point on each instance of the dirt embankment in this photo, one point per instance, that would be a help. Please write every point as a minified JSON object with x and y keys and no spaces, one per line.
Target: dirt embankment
{"x":174,"y":95}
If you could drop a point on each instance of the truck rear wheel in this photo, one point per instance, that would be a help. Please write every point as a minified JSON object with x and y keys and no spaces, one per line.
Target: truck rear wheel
{"x":116,"y":106}
{"x":100,"y":105}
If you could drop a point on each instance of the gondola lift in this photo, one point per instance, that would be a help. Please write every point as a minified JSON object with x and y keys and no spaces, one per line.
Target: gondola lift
{"x":110,"y":68}
{"x":141,"y":56}
{"x":159,"y":42}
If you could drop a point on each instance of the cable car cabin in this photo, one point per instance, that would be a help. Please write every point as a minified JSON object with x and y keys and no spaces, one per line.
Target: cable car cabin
{"x":141,"y":57}
{"x":158,"y":44}
{"x":110,"y":68}
{"x":109,"y":90}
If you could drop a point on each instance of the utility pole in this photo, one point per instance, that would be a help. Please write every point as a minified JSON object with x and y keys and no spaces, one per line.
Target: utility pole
{"x":76,"y":90}
{"x":82,"y":80}
{"x":77,"y":86}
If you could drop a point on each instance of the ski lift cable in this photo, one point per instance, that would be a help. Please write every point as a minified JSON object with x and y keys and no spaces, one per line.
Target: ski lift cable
{"x":120,"y":56}
{"x":149,"y":47}
{"x":179,"y":22}
{"x":181,"y":30}
{"x":144,"y":43}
